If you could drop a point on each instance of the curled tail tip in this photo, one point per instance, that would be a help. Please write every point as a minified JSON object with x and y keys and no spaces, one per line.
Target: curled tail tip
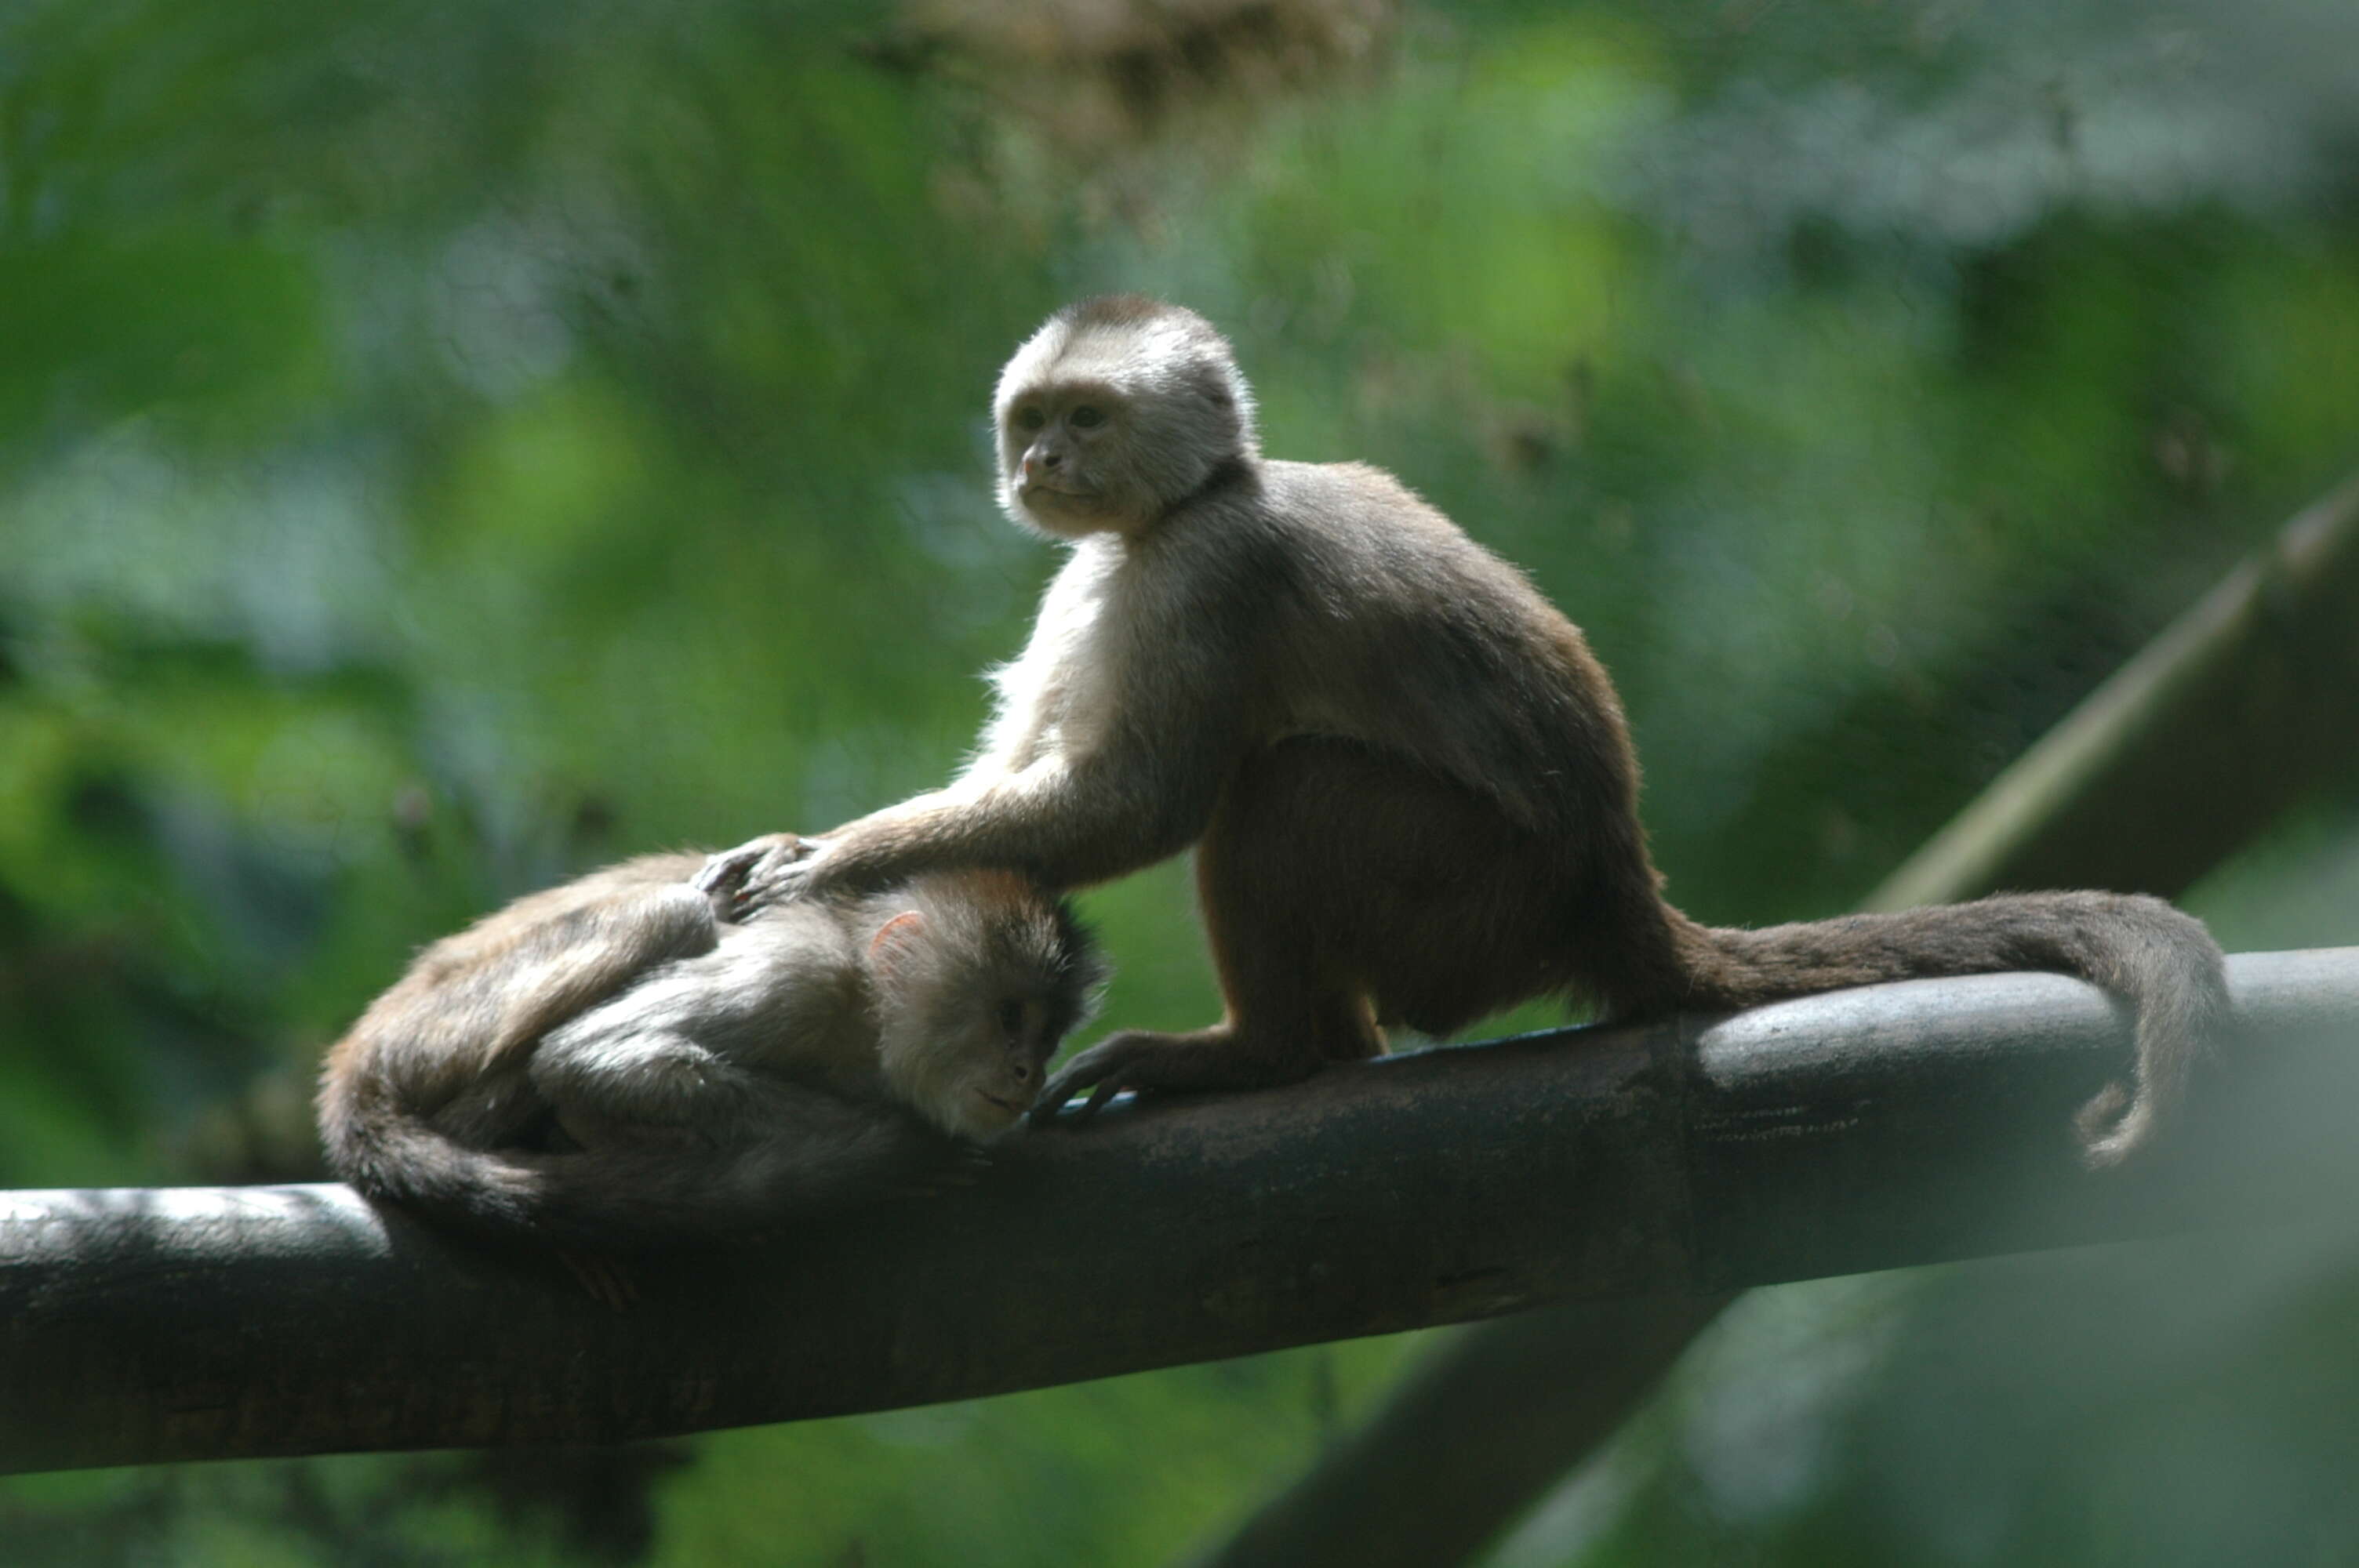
{"x":2113,"y":1127}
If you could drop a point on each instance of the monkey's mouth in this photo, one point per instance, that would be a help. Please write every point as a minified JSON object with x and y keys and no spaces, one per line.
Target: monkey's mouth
{"x":1065,"y":494}
{"x":1004,"y":1106}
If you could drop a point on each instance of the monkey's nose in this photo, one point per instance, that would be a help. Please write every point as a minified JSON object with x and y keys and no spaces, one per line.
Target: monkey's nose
{"x":1036,"y":462}
{"x":1021,"y":1072}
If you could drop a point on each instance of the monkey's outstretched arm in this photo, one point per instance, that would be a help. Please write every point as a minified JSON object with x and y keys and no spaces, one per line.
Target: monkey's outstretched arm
{"x":1069,"y":824}
{"x":1070,"y":815}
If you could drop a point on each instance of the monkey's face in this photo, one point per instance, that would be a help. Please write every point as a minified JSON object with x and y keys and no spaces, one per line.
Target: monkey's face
{"x":1061,"y":447}
{"x":977,"y":984}
{"x":974,"y":1065}
{"x":1112,"y":412}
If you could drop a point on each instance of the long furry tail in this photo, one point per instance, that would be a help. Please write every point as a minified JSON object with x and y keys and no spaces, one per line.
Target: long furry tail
{"x":814,"y":1154}
{"x":2163,"y":962}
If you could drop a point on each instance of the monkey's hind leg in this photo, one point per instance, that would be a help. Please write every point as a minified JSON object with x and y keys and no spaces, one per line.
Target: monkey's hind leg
{"x":1279,"y":907}
{"x":1343,"y":887}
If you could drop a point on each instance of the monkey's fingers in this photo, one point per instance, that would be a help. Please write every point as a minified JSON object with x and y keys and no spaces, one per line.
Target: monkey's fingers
{"x":1104,"y":1069}
{"x":1065,"y":1114}
{"x":724,"y":873}
{"x":1149,"y":1062}
{"x":756,"y":874}
{"x":1062,"y":1089}
{"x":1103,"y":1094}
{"x":780,"y":878}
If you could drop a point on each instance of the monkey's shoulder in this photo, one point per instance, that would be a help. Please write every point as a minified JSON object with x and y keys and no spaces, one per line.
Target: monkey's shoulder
{"x":1324,"y":493}
{"x":1359,"y":538}
{"x":809,"y":936}
{"x":786,"y":961}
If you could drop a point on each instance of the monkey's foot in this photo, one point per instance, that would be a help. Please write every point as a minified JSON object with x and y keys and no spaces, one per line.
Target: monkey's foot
{"x":1214,"y":1058}
{"x":755,"y":875}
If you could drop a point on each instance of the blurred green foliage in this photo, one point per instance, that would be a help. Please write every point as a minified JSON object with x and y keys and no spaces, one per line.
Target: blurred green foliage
{"x":444,"y":446}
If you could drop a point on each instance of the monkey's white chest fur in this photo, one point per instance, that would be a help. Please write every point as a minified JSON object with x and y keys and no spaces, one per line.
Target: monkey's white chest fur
{"x":1057,"y":700}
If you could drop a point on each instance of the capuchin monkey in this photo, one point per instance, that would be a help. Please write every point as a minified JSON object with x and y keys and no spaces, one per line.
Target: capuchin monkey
{"x":1410,"y":781}
{"x":623,"y":1062}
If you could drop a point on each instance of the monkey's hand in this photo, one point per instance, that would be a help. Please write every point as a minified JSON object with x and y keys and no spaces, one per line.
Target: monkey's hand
{"x":1214,"y":1058}
{"x":745,"y":880}
{"x":1096,"y":1070}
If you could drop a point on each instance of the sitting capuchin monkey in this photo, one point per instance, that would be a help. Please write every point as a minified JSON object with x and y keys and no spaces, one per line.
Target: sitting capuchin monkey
{"x":624,"y":1062}
{"x":1408,"y":781}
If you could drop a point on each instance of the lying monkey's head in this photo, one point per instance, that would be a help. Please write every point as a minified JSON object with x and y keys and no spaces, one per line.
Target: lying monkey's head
{"x":1116,"y":408}
{"x":978,"y":977}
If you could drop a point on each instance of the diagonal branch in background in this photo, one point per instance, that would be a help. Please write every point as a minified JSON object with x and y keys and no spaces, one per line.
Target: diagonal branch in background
{"x":1863,"y":1130}
{"x":2237,"y":710}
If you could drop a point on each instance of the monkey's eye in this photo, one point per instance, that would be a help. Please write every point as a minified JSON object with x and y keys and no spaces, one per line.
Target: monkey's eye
{"x":1087,"y":417}
{"x":1029,"y":420}
{"x":1011,"y":1018}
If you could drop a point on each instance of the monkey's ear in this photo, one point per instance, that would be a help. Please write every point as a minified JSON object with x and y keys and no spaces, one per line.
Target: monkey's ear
{"x":897,"y":940}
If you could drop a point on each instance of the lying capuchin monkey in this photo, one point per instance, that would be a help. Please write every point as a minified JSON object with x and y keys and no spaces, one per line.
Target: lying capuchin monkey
{"x":1408,"y":781}
{"x":628,"y":1061}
